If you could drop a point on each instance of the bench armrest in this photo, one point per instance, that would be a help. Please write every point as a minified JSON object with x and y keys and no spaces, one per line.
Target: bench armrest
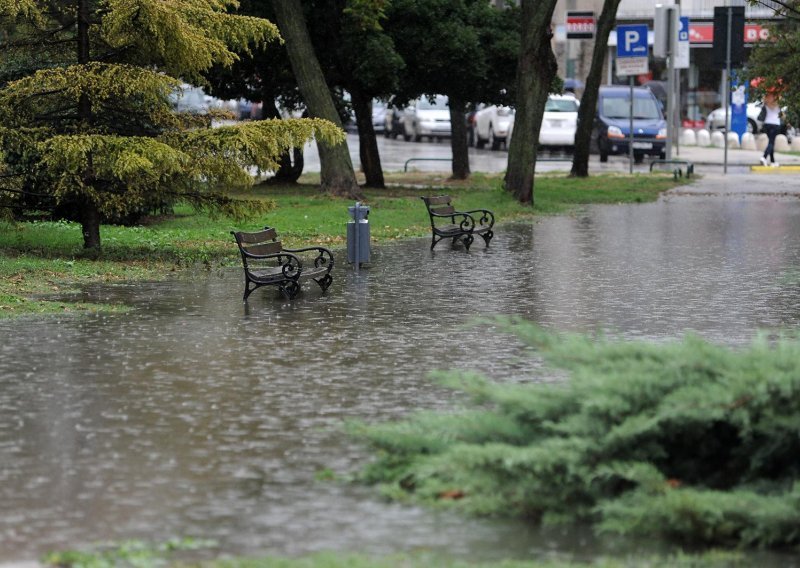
{"x":486,"y":218}
{"x":291,"y":264}
{"x":323,"y":258}
{"x":467,"y":222}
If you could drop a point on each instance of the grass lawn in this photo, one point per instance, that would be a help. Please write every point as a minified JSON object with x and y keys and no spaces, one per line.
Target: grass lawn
{"x":41,"y":258}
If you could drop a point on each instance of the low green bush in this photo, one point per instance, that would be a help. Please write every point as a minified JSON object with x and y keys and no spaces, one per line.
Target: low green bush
{"x":686,"y":440}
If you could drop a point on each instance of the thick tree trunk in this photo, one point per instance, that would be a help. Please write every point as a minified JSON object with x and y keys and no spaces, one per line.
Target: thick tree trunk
{"x":337,"y":175}
{"x":90,"y":225}
{"x":89,"y":213}
{"x":586,"y":112}
{"x":458,"y":139}
{"x":367,"y":142}
{"x":536,"y":69}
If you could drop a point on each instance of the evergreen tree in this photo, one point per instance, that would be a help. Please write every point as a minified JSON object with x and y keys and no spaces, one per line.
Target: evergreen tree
{"x":89,"y":128}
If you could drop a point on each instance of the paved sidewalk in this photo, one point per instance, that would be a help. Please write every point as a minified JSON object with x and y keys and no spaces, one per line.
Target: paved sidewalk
{"x":716,"y":156}
{"x":742,"y":185}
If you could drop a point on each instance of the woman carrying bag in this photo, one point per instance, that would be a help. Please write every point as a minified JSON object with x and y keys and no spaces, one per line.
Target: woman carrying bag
{"x":771,"y":117}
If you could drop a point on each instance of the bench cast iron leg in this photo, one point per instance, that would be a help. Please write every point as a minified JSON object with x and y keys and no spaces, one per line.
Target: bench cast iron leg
{"x":468,"y":241}
{"x":248,"y":290}
{"x":487,"y":236}
{"x":289,"y":289}
{"x":324,"y":282}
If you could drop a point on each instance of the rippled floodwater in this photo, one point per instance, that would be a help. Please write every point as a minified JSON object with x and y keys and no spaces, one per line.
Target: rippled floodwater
{"x":191,"y":416}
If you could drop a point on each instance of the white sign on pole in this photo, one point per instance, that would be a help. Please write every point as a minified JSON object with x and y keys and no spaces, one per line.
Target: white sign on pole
{"x":632,"y":49}
{"x":632,"y":66}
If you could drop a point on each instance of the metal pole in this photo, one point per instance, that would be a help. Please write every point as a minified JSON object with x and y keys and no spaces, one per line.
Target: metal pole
{"x":670,"y":82}
{"x":727,"y":86}
{"x":357,"y":245}
{"x":630,"y":131}
{"x":678,"y":127}
{"x":678,"y":105}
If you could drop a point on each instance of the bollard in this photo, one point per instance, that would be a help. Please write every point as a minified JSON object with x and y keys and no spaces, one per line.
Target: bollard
{"x":358,"y":250}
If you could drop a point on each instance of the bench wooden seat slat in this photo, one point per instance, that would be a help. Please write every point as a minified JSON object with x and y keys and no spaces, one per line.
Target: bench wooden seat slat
{"x":266,"y":263}
{"x":449,"y":223}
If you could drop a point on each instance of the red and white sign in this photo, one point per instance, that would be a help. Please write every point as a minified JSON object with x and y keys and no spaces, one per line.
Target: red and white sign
{"x":703,"y":32}
{"x":580,"y":25}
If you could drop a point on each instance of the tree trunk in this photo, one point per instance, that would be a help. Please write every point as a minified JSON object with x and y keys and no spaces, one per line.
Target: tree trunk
{"x":89,"y":213}
{"x":90,"y":225}
{"x":337,"y":175}
{"x":536,"y":69}
{"x":458,"y":139}
{"x":289,"y":170}
{"x":588,"y":108}
{"x":367,"y":142}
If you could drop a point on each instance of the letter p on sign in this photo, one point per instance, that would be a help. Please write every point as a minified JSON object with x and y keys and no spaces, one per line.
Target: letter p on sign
{"x":631,"y":39}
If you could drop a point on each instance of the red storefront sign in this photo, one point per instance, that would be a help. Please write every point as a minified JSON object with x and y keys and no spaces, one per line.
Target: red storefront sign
{"x":580,"y":25}
{"x":703,"y":32}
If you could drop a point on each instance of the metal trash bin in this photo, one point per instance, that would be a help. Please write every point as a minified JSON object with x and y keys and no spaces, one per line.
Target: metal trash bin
{"x":358,"y":235}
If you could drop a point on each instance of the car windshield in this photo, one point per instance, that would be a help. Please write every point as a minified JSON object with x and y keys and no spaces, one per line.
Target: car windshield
{"x":439,"y":103}
{"x":561,"y":105}
{"x":619,"y":107}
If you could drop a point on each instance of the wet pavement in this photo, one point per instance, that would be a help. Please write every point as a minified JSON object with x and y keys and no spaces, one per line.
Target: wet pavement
{"x":399,"y":155}
{"x":195,"y":416}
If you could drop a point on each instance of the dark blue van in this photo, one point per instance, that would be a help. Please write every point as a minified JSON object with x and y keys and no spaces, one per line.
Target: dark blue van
{"x":611,"y":131}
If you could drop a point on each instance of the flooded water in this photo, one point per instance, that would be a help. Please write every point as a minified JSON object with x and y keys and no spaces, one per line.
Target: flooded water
{"x":193,"y":416}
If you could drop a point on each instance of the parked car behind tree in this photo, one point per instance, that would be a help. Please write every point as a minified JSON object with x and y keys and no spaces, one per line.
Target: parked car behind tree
{"x":559,"y":122}
{"x":611,"y":132}
{"x":427,"y":117}
{"x":492,"y":125}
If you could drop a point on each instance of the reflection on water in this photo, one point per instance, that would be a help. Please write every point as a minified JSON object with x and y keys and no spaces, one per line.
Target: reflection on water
{"x":191,"y":416}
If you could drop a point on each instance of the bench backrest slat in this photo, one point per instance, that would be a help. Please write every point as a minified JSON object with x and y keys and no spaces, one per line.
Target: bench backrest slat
{"x":257,"y":237}
{"x":264,"y":248}
{"x":447,"y":210}
{"x":437,"y":200}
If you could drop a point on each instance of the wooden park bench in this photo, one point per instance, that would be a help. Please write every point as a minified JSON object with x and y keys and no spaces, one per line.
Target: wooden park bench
{"x":267,"y":263}
{"x":447,"y":223}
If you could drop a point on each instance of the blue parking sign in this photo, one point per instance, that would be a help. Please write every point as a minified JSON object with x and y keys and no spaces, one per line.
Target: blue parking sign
{"x":632,"y":40}
{"x":683,"y":29}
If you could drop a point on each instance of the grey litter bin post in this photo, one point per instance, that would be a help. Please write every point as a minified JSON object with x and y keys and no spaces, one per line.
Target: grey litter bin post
{"x":358,"y":235}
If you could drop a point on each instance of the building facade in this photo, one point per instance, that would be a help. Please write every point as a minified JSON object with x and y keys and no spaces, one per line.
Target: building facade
{"x":701,"y":86}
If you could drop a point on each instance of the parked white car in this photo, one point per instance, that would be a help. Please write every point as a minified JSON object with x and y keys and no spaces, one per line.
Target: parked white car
{"x":492,"y":125}
{"x":716,"y":118}
{"x":379,"y":109}
{"x":430,"y":118}
{"x":560,"y":121}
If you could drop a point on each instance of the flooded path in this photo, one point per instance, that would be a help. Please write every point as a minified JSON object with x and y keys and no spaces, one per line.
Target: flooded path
{"x":191,"y":416}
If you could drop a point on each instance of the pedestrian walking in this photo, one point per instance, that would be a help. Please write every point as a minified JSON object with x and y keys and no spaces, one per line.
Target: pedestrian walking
{"x":771,"y":117}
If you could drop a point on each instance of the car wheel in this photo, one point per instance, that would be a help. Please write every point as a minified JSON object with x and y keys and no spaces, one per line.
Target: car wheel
{"x":638,"y":158}
{"x":494,"y":142}
{"x":479,"y":142}
{"x":603,"y":151}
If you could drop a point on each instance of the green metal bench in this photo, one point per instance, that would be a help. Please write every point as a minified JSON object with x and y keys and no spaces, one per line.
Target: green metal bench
{"x":267,"y":263}
{"x":448,"y":223}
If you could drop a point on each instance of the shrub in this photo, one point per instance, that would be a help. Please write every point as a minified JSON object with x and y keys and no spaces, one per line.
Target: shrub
{"x":686,"y":440}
